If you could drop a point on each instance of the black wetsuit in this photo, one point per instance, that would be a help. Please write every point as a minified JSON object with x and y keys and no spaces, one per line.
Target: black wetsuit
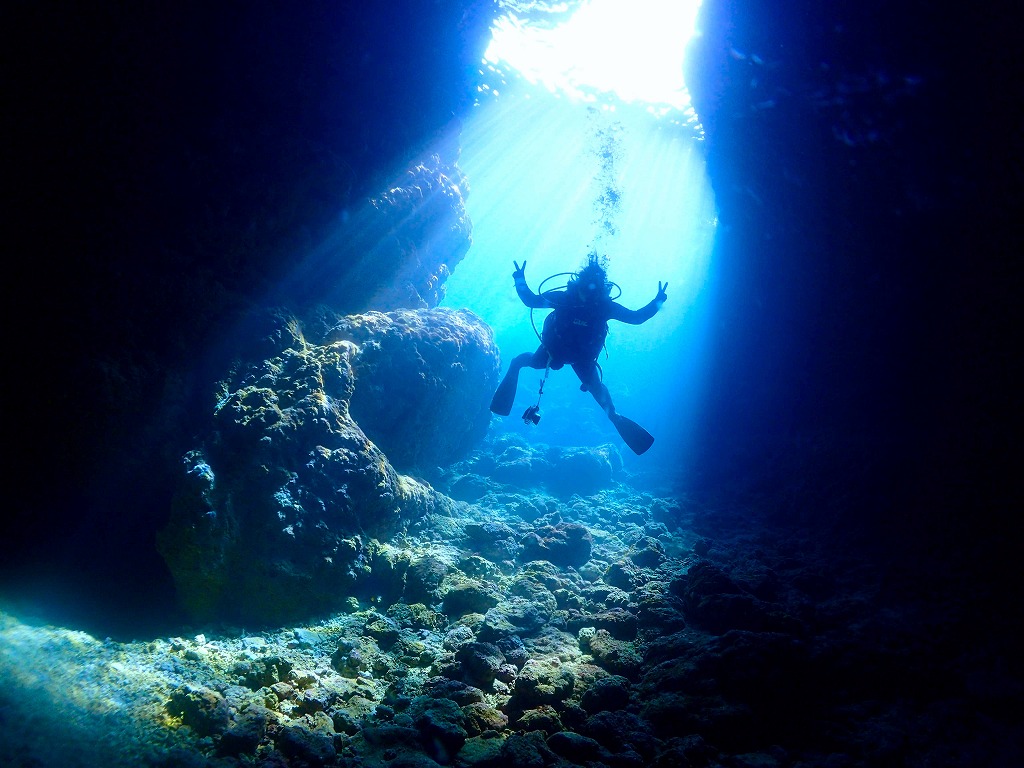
{"x":574,"y":333}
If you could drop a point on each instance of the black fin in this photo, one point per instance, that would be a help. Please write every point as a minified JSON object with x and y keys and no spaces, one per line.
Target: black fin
{"x":505,"y":395}
{"x":636,"y":437}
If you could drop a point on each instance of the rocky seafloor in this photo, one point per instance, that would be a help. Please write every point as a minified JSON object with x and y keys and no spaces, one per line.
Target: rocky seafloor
{"x":619,"y":629}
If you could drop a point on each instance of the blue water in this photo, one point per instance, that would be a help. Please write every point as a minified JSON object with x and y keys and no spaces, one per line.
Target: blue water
{"x":549,"y":180}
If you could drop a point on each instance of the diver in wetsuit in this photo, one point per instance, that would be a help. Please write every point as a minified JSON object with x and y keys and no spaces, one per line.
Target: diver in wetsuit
{"x":574,"y":334}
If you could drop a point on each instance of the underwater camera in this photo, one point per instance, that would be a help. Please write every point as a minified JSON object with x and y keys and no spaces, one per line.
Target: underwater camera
{"x":532,"y":414}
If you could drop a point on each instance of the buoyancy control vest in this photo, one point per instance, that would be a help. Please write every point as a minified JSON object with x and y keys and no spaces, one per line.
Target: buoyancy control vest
{"x":575,"y":332}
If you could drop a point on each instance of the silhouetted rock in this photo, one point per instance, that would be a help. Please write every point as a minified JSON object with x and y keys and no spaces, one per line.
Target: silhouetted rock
{"x":562,"y":544}
{"x":205,"y":711}
{"x":480,"y":663}
{"x":582,"y":470}
{"x":440,"y":724}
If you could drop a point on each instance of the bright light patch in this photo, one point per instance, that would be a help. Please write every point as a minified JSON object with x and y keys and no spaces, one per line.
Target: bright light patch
{"x":549,"y":180}
{"x":631,"y":50}
{"x":563,"y":158}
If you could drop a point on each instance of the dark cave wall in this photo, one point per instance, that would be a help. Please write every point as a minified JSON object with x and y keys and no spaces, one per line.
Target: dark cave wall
{"x":171,"y":165}
{"x":863,"y":225}
{"x":168,"y":166}
{"x":864,"y":374}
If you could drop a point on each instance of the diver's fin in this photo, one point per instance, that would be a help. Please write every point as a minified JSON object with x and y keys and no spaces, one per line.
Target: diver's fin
{"x":505,"y":395}
{"x":635,"y":436}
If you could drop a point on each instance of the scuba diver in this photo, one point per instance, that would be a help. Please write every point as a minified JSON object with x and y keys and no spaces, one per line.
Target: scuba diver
{"x":574,"y":334}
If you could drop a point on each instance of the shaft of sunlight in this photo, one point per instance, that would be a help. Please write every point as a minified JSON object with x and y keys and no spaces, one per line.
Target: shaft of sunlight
{"x":549,"y":180}
{"x":583,"y":139}
{"x":632,"y":50}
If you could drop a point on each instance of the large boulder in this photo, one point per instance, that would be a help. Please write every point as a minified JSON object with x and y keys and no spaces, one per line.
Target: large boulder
{"x":425,"y":378}
{"x":283,"y":503}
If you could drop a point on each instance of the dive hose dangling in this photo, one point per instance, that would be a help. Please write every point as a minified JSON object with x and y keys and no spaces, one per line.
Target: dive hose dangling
{"x":532,"y":414}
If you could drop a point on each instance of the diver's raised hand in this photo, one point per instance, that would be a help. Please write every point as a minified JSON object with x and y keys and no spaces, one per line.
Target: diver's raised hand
{"x":520,"y":273}
{"x":660,"y":298}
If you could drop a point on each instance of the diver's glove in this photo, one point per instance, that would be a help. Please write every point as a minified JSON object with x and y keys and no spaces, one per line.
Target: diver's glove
{"x":519,"y":276}
{"x":659,"y":299}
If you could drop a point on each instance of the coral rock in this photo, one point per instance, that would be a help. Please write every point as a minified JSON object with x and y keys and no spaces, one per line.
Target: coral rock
{"x":277,"y":508}
{"x":567,"y":544}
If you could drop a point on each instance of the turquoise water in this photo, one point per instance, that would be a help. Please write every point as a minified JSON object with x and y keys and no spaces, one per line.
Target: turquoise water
{"x":549,"y":180}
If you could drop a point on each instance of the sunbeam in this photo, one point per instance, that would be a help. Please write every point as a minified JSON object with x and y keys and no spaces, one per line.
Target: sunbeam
{"x":628,"y":51}
{"x":551,"y":179}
